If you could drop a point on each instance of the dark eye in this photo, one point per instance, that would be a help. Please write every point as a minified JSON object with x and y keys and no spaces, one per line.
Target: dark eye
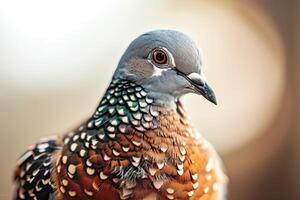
{"x":160,"y":57}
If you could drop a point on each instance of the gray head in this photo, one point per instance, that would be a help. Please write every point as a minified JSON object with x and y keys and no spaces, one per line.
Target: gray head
{"x":167,"y":63}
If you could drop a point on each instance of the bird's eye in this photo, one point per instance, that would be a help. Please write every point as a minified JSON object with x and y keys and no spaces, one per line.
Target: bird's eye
{"x":159,"y":56}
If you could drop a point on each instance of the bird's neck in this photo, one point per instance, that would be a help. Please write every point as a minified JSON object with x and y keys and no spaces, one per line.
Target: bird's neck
{"x":163,"y":100}
{"x":125,"y":103}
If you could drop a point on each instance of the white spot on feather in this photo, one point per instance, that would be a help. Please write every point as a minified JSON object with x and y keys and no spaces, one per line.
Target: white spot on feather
{"x":72,"y":169}
{"x":158,"y":183}
{"x":103,"y":176}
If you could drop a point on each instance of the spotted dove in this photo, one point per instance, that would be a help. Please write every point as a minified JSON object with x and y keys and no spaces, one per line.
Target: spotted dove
{"x":138,"y":143}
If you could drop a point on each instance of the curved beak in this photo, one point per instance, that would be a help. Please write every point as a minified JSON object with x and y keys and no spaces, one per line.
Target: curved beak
{"x":201,"y":86}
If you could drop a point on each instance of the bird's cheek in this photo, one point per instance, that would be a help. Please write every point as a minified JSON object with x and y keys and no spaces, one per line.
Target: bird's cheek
{"x":140,"y":68}
{"x":179,"y":85}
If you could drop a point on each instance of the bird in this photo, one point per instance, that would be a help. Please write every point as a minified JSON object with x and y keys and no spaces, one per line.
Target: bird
{"x":139,"y":143}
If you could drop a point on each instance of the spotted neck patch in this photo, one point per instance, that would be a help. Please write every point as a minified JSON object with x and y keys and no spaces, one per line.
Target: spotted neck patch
{"x":124,"y":104}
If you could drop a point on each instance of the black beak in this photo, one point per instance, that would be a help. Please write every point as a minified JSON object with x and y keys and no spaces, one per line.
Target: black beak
{"x":207,"y":92}
{"x":200,"y":86}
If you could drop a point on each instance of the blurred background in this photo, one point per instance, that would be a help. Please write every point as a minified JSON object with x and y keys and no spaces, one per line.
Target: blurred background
{"x":57,"y":57}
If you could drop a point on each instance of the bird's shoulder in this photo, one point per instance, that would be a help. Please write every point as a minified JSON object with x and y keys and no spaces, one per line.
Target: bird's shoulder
{"x":33,"y":173}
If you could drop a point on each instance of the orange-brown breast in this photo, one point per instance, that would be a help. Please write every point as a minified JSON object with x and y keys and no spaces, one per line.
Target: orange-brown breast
{"x":168,"y":161}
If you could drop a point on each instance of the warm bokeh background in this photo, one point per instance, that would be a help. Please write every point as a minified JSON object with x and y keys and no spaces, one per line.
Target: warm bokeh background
{"x":57,"y":57}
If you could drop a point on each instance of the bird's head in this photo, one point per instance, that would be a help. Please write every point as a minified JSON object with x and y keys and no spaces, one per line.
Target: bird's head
{"x":167,"y":63}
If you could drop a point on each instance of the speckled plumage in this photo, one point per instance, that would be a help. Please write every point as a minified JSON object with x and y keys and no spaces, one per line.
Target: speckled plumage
{"x":130,"y":148}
